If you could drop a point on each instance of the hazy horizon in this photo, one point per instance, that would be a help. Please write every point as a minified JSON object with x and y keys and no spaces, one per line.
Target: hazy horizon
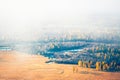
{"x":34,"y":17}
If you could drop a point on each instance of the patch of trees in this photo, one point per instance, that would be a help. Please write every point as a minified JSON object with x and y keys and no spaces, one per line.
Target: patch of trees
{"x":104,"y":62}
{"x":107,"y":57}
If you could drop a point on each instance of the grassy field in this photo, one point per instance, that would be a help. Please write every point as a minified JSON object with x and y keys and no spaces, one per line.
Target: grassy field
{"x":21,"y":66}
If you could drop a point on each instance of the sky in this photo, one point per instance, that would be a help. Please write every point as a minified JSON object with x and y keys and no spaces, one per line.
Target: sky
{"x":28,"y":17}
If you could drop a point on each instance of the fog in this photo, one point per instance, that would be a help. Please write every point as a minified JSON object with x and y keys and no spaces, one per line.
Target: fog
{"x":33,"y":17}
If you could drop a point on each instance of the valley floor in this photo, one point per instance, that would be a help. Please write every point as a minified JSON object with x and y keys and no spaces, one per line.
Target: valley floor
{"x":21,"y":66}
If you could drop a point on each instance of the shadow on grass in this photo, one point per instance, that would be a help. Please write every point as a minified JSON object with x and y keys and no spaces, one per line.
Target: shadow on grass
{"x":86,"y":72}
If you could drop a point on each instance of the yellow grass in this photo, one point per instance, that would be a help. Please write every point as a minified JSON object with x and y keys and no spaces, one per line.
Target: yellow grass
{"x":20,"y":66}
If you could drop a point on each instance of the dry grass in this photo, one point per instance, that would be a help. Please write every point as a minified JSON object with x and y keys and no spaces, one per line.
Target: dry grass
{"x":20,"y":66}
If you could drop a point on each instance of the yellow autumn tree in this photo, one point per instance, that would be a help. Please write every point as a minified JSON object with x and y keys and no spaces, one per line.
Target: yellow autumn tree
{"x":75,"y":69}
{"x":89,"y":64}
{"x":85,"y":65}
{"x":80,"y":63}
{"x":105,"y":67}
{"x":98,"y":66}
